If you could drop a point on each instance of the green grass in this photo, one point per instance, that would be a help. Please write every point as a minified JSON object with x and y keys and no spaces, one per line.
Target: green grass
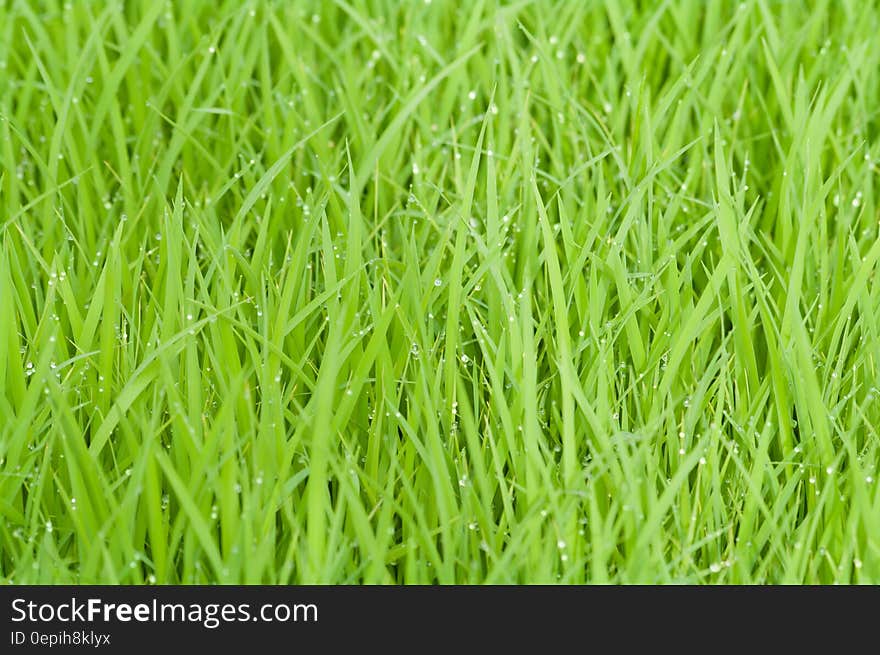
{"x":379,"y":292}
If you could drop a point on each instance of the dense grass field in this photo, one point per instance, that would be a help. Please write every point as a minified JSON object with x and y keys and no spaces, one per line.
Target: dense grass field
{"x":427,"y":292}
